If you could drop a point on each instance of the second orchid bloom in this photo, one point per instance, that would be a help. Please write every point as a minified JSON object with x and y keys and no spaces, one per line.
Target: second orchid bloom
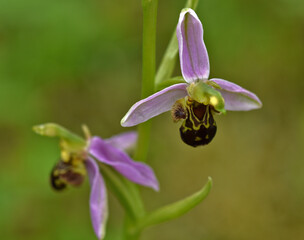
{"x":80,"y":158}
{"x":199,"y":98}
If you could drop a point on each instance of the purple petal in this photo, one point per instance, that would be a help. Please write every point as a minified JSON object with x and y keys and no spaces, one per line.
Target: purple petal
{"x":237,"y":98}
{"x":98,"y":199}
{"x":124,"y":141}
{"x":154,"y":105}
{"x":193,"y":54}
{"x":135,"y":171}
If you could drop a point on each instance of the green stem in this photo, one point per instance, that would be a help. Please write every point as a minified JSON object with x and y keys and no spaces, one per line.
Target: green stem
{"x":144,"y":132}
{"x":148,"y":71}
{"x":129,"y":230}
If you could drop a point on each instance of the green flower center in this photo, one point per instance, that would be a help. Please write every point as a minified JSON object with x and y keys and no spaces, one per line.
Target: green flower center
{"x":205,"y":92}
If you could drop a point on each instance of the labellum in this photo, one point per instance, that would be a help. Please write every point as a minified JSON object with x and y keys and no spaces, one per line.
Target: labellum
{"x":70,"y":172}
{"x":199,"y":126}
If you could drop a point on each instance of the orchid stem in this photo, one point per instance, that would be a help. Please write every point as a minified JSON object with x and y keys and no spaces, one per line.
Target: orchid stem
{"x":130,"y":232}
{"x":148,"y":71}
{"x":147,"y":88}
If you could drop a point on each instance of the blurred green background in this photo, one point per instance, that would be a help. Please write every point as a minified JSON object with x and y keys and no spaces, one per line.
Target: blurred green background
{"x":77,"y":61}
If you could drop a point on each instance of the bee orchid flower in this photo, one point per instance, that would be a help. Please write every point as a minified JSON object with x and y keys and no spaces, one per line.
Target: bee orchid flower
{"x":195,"y":101}
{"x":80,"y":158}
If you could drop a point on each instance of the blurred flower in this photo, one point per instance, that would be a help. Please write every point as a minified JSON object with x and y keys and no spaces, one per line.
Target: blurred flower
{"x":78,"y":159}
{"x":198,"y":99}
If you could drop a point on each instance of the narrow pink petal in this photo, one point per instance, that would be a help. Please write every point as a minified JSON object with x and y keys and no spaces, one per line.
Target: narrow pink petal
{"x":137,"y":172}
{"x":98,"y":199}
{"x":193,"y":54}
{"x":123,"y":141}
{"x":154,"y":105}
{"x":237,"y":98}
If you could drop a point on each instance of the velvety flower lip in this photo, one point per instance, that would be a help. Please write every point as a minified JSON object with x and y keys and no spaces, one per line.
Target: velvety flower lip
{"x":112,"y":152}
{"x":195,"y":67}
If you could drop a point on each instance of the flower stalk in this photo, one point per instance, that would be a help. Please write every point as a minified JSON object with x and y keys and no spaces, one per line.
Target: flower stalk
{"x":148,"y":71}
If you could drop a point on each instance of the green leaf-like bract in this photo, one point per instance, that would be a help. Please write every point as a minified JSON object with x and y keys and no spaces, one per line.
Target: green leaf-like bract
{"x":176,"y":209}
